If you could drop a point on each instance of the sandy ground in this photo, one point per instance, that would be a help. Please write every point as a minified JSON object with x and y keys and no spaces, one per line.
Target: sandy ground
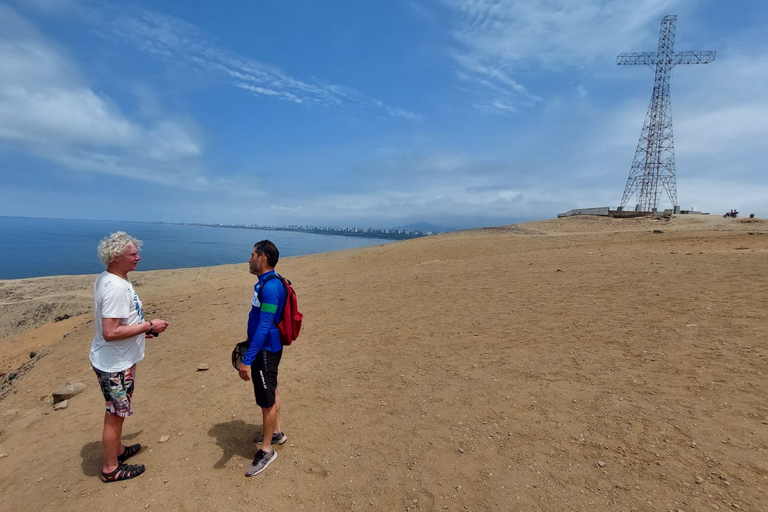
{"x":577,"y":364}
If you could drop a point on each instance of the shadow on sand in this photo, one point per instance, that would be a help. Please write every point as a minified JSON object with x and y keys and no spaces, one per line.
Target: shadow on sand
{"x":91,"y":454}
{"x":234,"y":438}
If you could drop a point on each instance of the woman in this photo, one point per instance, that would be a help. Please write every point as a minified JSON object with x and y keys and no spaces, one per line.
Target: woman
{"x":117,"y":346}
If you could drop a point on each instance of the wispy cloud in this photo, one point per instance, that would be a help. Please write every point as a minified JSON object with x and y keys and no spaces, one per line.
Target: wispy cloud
{"x":499,"y":42}
{"x":173,"y":39}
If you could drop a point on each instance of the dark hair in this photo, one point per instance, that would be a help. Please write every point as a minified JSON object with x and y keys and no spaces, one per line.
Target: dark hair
{"x":268,"y":248}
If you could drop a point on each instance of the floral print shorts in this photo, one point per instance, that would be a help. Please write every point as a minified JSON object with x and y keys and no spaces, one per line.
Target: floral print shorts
{"x":117,"y":389}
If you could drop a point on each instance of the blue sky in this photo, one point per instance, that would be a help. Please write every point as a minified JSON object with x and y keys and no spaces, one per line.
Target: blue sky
{"x":368,"y":113}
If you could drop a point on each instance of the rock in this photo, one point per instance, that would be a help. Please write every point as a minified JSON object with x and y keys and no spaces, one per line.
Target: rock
{"x":3,"y":455}
{"x":67,"y":392}
{"x":164,"y":439}
{"x":600,"y":463}
{"x":12,"y":375}
{"x":202,"y":367}
{"x":32,"y":354}
{"x":60,"y":405}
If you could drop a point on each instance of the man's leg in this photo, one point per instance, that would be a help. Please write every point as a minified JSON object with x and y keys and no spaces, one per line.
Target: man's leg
{"x":269,"y":418}
{"x":267,"y":395}
{"x":277,"y":410}
{"x":265,"y":387}
{"x":112,"y":437}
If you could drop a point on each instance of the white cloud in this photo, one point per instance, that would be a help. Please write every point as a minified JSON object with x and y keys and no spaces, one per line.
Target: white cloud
{"x":48,"y":110}
{"x":499,"y":42}
{"x":741,"y":127}
{"x":557,"y":33}
{"x":67,"y":116}
{"x":450,"y":202}
{"x":176,"y":40}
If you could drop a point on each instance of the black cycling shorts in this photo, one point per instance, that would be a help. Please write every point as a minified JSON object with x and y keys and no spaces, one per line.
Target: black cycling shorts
{"x":264,"y":376}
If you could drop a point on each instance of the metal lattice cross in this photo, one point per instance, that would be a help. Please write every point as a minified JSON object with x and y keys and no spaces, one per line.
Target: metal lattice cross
{"x":654,"y":164}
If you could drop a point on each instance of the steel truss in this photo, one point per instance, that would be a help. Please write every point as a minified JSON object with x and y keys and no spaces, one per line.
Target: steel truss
{"x":653,"y":167}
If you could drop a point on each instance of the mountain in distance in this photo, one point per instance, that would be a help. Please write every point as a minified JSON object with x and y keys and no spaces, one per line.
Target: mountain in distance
{"x":425,"y":226}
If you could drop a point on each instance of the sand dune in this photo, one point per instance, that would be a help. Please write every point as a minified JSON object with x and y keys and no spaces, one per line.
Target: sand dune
{"x":572,"y":364}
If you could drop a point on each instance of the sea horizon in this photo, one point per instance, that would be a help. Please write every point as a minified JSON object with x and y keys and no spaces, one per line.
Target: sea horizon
{"x":44,"y":246}
{"x":281,"y":227}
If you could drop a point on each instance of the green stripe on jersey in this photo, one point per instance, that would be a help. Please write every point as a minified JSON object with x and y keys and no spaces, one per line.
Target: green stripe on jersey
{"x":269,"y":308}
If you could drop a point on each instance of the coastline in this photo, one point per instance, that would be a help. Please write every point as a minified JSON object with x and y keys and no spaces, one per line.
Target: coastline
{"x":506,"y":363}
{"x":30,"y":243}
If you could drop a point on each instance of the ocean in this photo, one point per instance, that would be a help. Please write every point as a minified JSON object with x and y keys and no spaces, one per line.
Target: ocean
{"x":34,"y":247}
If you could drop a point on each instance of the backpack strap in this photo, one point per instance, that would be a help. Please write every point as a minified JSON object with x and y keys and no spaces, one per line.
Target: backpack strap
{"x":264,"y":283}
{"x":266,"y":280}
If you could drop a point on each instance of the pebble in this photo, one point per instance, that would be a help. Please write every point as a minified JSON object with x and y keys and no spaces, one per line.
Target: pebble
{"x":461,"y":450}
{"x":32,"y":354}
{"x":202,"y":367}
{"x":3,"y":455}
{"x":163,"y":439}
{"x":60,"y":405}
{"x":600,"y":463}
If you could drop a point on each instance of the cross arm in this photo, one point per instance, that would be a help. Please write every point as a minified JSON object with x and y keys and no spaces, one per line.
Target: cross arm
{"x":651,"y":58}
{"x":694,"y":58}
{"x":637,"y":59}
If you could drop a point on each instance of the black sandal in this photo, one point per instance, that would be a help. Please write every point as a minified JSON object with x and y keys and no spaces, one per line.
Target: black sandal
{"x":123,"y":472}
{"x":129,"y":452}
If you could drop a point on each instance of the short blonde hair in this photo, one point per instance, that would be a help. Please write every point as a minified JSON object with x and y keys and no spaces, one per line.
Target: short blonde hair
{"x":115,"y":245}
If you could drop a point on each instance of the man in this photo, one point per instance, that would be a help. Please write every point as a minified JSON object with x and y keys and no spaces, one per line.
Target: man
{"x":265,"y":350}
{"x":117,"y":346}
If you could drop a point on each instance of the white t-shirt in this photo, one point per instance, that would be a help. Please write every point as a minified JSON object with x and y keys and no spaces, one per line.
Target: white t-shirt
{"x":114,"y":297}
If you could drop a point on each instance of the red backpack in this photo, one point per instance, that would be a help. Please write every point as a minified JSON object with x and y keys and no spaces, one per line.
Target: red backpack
{"x":290,"y":323}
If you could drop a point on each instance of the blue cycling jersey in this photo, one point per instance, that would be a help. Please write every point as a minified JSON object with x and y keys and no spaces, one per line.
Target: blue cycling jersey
{"x":262,"y":330}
